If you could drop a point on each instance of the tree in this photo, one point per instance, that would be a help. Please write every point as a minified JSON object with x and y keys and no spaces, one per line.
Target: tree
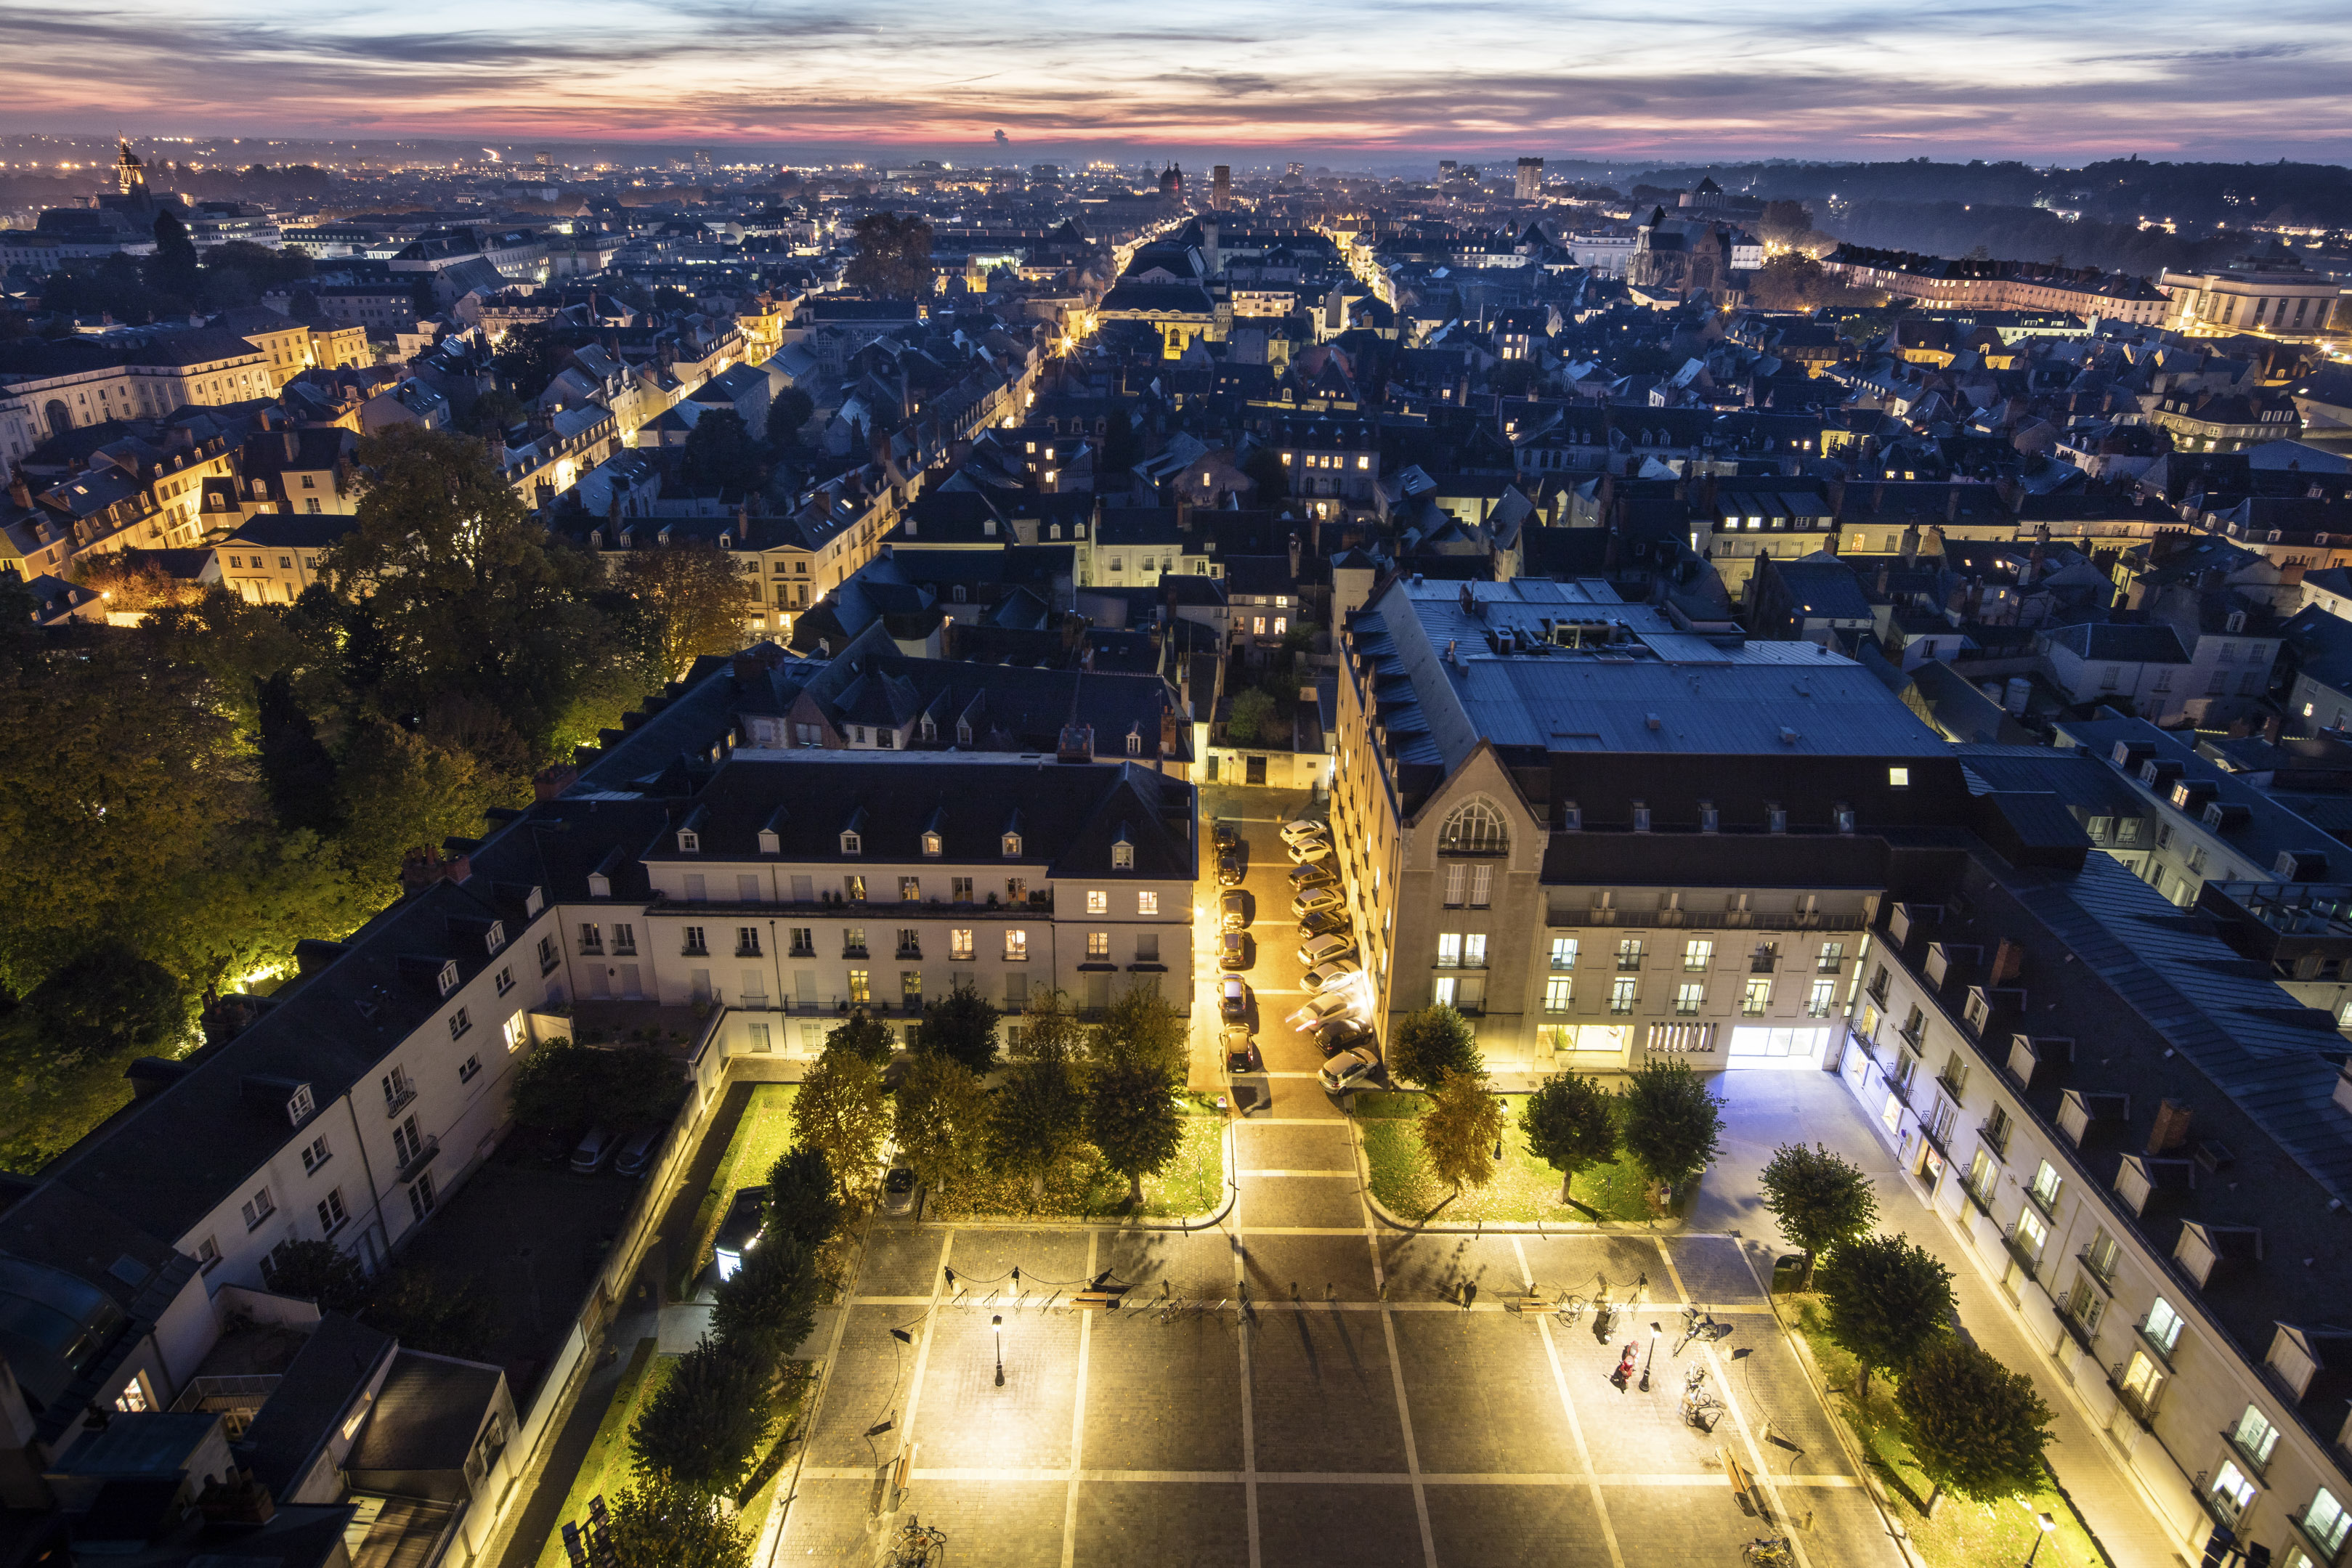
{"x":1820,"y":1199}
{"x":802,"y":1202}
{"x":426,"y":1311}
{"x":1252,"y":718}
{"x":719,"y":451}
{"x":1140,"y":1029}
{"x":707,"y":1421}
{"x":1975,"y":1426}
{"x":1131,"y":1117}
{"x":1038,"y":1111}
{"x":769,"y":1304}
{"x":493,"y":412}
{"x":659,"y":1523}
{"x":530,"y":356}
{"x":894,"y":257}
{"x":687,"y":600}
{"x":1426,"y":1046}
{"x":317,"y":1271}
{"x":870,"y":1037}
{"x":110,"y":1002}
{"x":401,"y":792}
{"x":940,"y":1120}
{"x":1460,"y":1129}
{"x":1673,"y":1126}
{"x":1784,"y":223}
{"x":1570,"y":1126}
{"x":959,"y":1026}
{"x":565,"y":1087}
{"x":172,"y":270}
{"x":839,"y":1111}
{"x":1886,"y":1300}
{"x":791,"y":409}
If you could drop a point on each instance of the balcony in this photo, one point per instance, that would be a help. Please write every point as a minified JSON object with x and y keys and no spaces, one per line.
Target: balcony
{"x":2104,"y":1279}
{"x":1913,"y":1033}
{"x":857,"y":952}
{"x":694,"y":950}
{"x":751,"y":950}
{"x":2027,"y":1260}
{"x":1762,"y":966}
{"x":1951,"y":1089}
{"x":1984,"y":1204}
{"x":914,"y":952}
{"x":592,"y":949}
{"x":399,"y":1100}
{"x":2077,"y":1332}
{"x":413,"y":1166}
{"x":1995,"y":1139}
{"x":2142,"y":1406}
{"x":802,"y":950}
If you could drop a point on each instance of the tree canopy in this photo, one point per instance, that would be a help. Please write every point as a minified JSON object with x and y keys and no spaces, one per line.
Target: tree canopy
{"x":1975,"y":1426}
{"x":1425,"y":1047}
{"x":961,"y":1026}
{"x":658,"y":1521}
{"x":894,"y":257}
{"x":707,"y":1420}
{"x":1131,"y":1117}
{"x":1818,"y":1199}
{"x":1673,"y":1126}
{"x":940,"y":1120}
{"x":1570,"y":1126}
{"x":1887,"y":1299}
{"x":1460,"y":1129}
{"x":840,"y":1111}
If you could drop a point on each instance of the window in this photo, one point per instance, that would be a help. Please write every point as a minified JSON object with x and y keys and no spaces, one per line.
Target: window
{"x":1563,"y":952}
{"x":1444,"y":991}
{"x":259,"y":1207}
{"x":460,"y":1022}
{"x":397,"y":1090}
{"x":1820,"y":999}
{"x":516,"y":1033}
{"x":2163,"y":1327}
{"x":549,"y":955}
{"x":910,"y":890}
{"x":1016,"y":947}
{"x":2327,"y":1522}
{"x":1474,"y":950}
{"x":207,"y":1254}
{"x":1832,"y":959}
{"x":1482,"y":886}
{"x":2046,"y":1186}
{"x":2232,"y":1493}
{"x":1898,"y":778}
{"x":2086,"y":1304}
{"x":1621,"y":995}
{"x":1012,"y":846}
{"x":1122,"y":856}
{"x":694,"y":942}
{"x":1147,"y":903}
{"x":1098,"y":902}
{"x":960,"y":946}
{"x":861,"y":987}
{"x":448,"y":977}
{"x":960,"y":889}
{"x":1474,"y":829}
{"x":910,"y":942}
{"x":1558,"y":991}
{"x":910,"y":988}
{"x":853,"y":941}
{"x":1689,"y":998}
{"x":853,"y":888}
{"x":747,"y":941}
{"x":331,"y":1213}
{"x":316,"y":1153}
{"x":1698,"y":955}
{"x":1457,"y":884}
{"x":2142,"y":1380}
{"x":2255,"y":1438}
{"x":1449,"y":949}
{"x":931,"y":845}
{"x":802,"y":940}
{"x":505,"y":981}
{"x":1754,"y":998}
{"x":1629,"y":952}
{"x":852,"y":843}
{"x":688,"y":841}
{"x":1098,"y":946}
{"x":420,"y":1196}
{"x":1147,"y":947}
{"x":2031,"y":1233}
{"x":2099,"y":1257}
{"x":624,"y":940}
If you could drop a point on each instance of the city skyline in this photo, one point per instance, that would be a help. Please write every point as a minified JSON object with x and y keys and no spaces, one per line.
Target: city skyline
{"x":1374,"y":79}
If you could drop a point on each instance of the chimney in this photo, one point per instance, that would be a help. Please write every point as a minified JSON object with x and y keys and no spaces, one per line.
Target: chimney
{"x":552,"y":782}
{"x":1293,"y":559}
{"x":2008,"y":962}
{"x":1911,"y":545}
{"x":1885,"y":570}
{"x":421,"y":868}
{"x":1168,"y":732}
{"x":19,"y":492}
{"x":2171,"y":1128}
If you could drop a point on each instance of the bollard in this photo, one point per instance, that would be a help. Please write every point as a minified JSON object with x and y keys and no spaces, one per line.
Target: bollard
{"x":1326,"y":1290}
{"x":1293,"y":1290}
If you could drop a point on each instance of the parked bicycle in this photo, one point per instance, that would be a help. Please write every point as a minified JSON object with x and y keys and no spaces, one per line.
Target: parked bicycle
{"x":1767,"y":1552}
{"x":1571,"y":1307}
{"x":917,"y":1545}
{"x":1700,"y":1407}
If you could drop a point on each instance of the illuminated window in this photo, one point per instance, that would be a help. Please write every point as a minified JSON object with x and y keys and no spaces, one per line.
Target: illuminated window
{"x":1559,"y":992}
{"x":1623,"y":995}
{"x":1147,"y":903}
{"x":1098,"y":902}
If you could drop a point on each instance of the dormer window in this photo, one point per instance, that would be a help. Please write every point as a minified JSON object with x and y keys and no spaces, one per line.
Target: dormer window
{"x":1012,"y":846}
{"x":1135,"y":740}
{"x":963,"y":729}
{"x":851,"y":844}
{"x":689,"y":843}
{"x":931,"y":845}
{"x":930,"y":729}
{"x":448,"y":977}
{"x":300,"y":1104}
{"x":1122,"y":856}
{"x":533,"y":901}
{"x":771,"y":842}
{"x":496,"y":937}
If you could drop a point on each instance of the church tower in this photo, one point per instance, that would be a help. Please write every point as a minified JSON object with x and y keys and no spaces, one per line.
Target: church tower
{"x":129,"y":173}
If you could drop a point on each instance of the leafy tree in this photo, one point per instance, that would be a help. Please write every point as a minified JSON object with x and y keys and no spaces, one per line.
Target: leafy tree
{"x":768,"y":1305}
{"x":424,"y":1309}
{"x":1570,"y":1126}
{"x":493,"y":412}
{"x":530,"y":356}
{"x":719,"y":451}
{"x":401,"y":792}
{"x":1975,"y":1426}
{"x":840,"y":1113}
{"x":940,"y":1120}
{"x":172,"y":269}
{"x":791,"y":409}
{"x":687,"y":600}
{"x":1460,"y":1129}
{"x":317,"y":1271}
{"x":1252,"y":720}
{"x":802,"y":1202}
{"x":894,"y":257}
{"x":1131,"y":1117}
{"x":1427,"y":1046}
{"x":1820,"y":1199}
{"x":566,"y":1087}
{"x":1784,"y":223}
{"x":1038,"y":1111}
{"x":304,"y":306}
{"x":1673,"y":1126}
{"x":1887,"y":1299}
{"x":1141,"y":1029}
{"x":109,"y":1003}
{"x":658,"y":1521}
{"x":707,"y":1421}
{"x":959,"y":1026}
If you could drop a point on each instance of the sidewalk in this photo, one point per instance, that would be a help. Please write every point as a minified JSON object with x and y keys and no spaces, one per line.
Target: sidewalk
{"x":1763,"y":1109}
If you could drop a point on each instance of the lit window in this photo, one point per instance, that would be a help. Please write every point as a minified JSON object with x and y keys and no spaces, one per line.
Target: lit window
{"x":516,"y":1033}
{"x":1689,"y":998}
{"x":1559,"y":992}
{"x":1016,"y":947}
{"x":1098,"y":945}
{"x":1563,"y":952}
{"x":1623,"y":994}
{"x":2163,"y":1326}
{"x":1756,"y":997}
{"x":1449,"y":949}
{"x":1147,"y":903}
{"x":960,"y":946}
{"x":1898,"y":778}
{"x":1697,"y":953}
{"x":1098,"y":902}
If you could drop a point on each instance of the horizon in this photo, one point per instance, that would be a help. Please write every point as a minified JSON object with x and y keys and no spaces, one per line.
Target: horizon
{"x":1853,"y":82}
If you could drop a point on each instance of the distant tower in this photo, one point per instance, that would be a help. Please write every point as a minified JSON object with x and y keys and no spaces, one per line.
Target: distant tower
{"x":1293,"y":172}
{"x":1171,"y":183}
{"x":702,"y":158}
{"x":1221,"y":187}
{"x":543,"y":158}
{"x":1529,"y":186}
{"x":129,"y":173}
{"x":1444,"y":169}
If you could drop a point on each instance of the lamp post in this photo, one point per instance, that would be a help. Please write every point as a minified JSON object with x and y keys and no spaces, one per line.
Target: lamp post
{"x":1649,"y":1358}
{"x":997,"y":1324}
{"x":2047,"y":1524}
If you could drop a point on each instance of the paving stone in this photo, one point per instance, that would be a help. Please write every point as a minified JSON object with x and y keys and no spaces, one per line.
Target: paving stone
{"x":1361,"y":1526}
{"x":1714,"y":1270}
{"x":1317,"y":1201}
{"x":1481,"y":1395}
{"x":1163,"y":1396}
{"x":991,"y":1524}
{"x":1293,"y":1148}
{"x":1343,"y":1262}
{"x":965,"y":1422}
{"x":1183,"y":1525}
{"x":1518,"y":1527}
{"x":1322,"y":1395}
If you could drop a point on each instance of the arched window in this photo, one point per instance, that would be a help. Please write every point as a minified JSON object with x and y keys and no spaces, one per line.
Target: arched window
{"x":1476,"y":828}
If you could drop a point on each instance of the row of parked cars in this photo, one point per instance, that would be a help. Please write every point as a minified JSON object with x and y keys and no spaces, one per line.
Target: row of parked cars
{"x":599,"y":1144}
{"x":1334,"y":1015}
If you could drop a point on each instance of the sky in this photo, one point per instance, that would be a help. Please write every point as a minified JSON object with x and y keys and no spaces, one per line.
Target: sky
{"x":2061,"y":80}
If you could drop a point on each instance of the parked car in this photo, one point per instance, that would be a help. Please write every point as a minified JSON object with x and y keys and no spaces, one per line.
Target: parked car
{"x":1241,"y":1051}
{"x":899,"y":1190}
{"x":1349,"y":1070}
{"x":1229,"y":872}
{"x":747,"y":1214}
{"x":1294,"y":832}
{"x":1337,"y":972}
{"x":1232,"y":949}
{"x":1313,"y":876}
{"x":596,"y":1146}
{"x":1323,"y":949}
{"x":1222,"y":836}
{"x":1345,"y":1035}
{"x":638,"y":1153}
{"x":1316,"y":899}
{"x":1320,"y":1011}
{"x":1233,"y":909}
{"x":1324,"y":923}
{"x":1233,"y":997}
{"x":1307,"y":851}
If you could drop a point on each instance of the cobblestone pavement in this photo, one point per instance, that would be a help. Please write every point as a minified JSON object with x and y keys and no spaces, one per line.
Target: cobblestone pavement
{"x":1297,"y":1385}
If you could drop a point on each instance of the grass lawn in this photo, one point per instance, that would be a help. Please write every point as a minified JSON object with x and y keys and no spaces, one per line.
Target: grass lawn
{"x":1961,"y":1535}
{"x":607,"y":1467}
{"x":1524,"y":1188}
{"x":1082,"y":1187}
{"x":760,"y":1138}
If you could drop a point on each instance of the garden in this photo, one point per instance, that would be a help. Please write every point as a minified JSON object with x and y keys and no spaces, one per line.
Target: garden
{"x":1524,"y":1188}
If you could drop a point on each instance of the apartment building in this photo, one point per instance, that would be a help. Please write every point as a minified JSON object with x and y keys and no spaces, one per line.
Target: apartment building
{"x":2148,"y":1152}
{"x":1604,"y":838}
{"x":49,"y":388}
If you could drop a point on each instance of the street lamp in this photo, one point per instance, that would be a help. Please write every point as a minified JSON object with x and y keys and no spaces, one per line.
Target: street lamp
{"x":2046,"y":1525}
{"x":1649,"y":1358}
{"x":997,"y":1324}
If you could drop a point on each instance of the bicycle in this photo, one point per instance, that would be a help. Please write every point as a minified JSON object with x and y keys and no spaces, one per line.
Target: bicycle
{"x":1569,"y":1308}
{"x":1767,"y":1552}
{"x":917,"y":1545}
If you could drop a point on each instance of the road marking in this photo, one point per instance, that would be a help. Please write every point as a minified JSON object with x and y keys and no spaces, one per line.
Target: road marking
{"x":1757,"y":1463}
{"x":1567,"y":1408}
{"x":1372,"y":1235}
{"x":1078,"y":1422}
{"x":1710,"y":1480}
{"x":1249,"y":1418}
